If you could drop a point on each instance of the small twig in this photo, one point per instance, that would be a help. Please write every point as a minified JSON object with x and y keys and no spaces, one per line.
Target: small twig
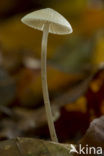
{"x":19,"y":147}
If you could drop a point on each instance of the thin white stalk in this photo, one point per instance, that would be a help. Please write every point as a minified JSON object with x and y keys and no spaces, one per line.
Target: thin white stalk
{"x":45,"y":85}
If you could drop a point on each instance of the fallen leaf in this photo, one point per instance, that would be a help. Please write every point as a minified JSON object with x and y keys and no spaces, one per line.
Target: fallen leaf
{"x":94,"y":137}
{"x":33,"y":147}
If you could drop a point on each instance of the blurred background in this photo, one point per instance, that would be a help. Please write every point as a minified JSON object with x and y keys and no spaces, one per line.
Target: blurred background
{"x":75,"y":70}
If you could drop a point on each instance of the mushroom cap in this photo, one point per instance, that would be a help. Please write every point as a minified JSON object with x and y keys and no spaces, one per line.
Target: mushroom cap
{"x":57,"y":23}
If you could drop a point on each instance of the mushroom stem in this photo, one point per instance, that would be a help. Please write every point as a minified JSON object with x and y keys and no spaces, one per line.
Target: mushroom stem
{"x":45,"y":85}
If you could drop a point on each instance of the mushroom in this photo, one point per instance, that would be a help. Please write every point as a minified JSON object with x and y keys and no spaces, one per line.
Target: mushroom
{"x":48,"y":21}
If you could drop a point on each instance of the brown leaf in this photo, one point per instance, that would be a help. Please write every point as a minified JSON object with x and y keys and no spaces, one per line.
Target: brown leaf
{"x":95,"y":134}
{"x":94,"y":137}
{"x":33,"y":147}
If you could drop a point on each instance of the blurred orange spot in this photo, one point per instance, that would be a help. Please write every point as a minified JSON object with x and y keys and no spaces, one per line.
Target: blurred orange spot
{"x":92,"y":115}
{"x":78,"y":105}
{"x":95,"y":85}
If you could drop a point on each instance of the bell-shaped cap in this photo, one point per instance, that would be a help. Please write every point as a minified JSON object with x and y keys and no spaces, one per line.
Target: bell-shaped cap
{"x":57,"y":23}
